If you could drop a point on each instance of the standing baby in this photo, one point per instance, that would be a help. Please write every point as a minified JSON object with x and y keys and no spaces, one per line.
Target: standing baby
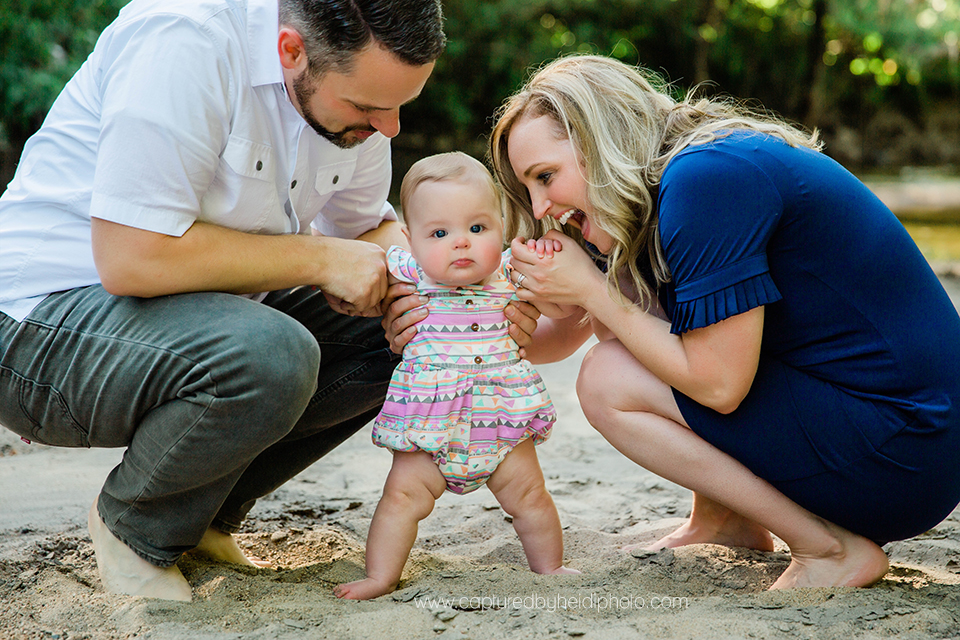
{"x":463,"y":409}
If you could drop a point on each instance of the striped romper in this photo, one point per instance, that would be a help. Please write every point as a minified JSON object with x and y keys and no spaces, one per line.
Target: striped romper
{"x":462,"y":393}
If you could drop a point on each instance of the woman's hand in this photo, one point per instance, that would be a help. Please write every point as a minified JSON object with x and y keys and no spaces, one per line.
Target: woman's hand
{"x":555,"y":269}
{"x":523,"y":318}
{"x":402,"y":309}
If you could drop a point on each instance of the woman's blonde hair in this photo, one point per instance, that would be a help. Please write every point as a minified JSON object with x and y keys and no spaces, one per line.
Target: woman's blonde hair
{"x":626,"y":127}
{"x":452,"y":165}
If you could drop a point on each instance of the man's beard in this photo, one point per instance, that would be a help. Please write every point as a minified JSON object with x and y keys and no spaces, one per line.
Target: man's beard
{"x":304,"y":91}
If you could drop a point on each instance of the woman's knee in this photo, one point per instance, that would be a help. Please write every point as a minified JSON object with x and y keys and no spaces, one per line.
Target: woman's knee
{"x":612,"y":381}
{"x":596,"y":382}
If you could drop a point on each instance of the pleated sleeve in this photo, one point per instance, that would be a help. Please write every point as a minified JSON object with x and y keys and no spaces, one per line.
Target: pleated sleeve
{"x":717,"y":214}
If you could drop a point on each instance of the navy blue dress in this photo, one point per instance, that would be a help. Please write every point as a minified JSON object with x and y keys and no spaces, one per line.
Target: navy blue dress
{"x":855,"y":409}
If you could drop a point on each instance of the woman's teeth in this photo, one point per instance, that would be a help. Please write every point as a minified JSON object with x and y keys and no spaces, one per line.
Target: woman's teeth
{"x":566,"y":216}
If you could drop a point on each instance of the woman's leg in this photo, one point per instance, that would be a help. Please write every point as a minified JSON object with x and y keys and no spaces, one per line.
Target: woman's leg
{"x":412,"y":488}
{"x":519,"y":488}
{"x":637,"y":414}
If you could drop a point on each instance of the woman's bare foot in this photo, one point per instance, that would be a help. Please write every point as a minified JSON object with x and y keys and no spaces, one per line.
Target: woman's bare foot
{"x":222,"y":547}
{"x":123,"y":571}
{"x":853,"y":561}
{"x":365,"y":589}
{"x":731,"y":531}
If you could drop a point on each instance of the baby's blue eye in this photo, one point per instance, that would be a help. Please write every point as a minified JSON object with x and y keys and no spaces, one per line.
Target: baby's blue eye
{"x":439,"y":233}
{"x":476,"y":228}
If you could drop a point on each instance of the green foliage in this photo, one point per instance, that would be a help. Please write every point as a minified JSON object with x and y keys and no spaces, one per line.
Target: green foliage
{"x":42,"y":44}
{"x":826,"y":63}
{"x":821,"y":62}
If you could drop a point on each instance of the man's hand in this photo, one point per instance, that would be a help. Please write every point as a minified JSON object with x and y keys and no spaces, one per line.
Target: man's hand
{"x":402,"y":309}
{"x":207,"y":257}
{"x":360,"y":284}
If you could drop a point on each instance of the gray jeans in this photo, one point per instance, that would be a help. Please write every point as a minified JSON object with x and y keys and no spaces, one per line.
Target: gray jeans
{"x":218,"y":399}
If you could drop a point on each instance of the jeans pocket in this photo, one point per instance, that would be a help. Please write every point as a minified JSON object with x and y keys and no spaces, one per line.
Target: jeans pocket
{"x":38,"y":412}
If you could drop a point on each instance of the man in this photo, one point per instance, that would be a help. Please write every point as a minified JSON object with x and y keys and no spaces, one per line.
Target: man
{"x":187,"y":162}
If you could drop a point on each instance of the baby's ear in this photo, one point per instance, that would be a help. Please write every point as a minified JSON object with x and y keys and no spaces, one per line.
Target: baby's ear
{"x":406,"y":232}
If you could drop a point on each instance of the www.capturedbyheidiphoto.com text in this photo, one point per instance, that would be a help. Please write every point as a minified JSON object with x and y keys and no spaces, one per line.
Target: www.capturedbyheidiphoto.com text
{"x":555,"y":602}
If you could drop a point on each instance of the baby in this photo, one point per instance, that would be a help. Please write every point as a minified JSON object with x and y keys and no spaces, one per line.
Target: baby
{"x":462,"y":410}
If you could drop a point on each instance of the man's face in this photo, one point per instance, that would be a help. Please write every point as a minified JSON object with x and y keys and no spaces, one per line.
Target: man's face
{"x":346,"y":109}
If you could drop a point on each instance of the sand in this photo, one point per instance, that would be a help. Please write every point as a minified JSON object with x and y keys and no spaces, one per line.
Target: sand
{"x":467,"y":576}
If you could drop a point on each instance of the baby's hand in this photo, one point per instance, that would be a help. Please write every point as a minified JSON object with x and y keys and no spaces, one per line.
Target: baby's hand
{"x":544,"y":247}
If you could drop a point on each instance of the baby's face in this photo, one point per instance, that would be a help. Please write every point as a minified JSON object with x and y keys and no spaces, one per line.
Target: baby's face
{"x":455,"y":231}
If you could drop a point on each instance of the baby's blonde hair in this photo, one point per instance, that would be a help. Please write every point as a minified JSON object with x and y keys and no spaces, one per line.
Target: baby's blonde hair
{"x":626,"y":127}
{"x":453,"y":165}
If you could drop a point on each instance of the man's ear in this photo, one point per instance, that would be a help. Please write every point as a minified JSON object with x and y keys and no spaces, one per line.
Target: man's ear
{"x":293,"y":55}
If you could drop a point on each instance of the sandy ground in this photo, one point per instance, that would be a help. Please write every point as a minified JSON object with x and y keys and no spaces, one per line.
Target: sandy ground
{"x":467,"y":577}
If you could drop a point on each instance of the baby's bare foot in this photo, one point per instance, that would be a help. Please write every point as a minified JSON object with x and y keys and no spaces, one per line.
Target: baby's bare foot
{"x":222,"y":547}
{"x":365,"y":589}
{"x":123,"y":571}
{"x":562,"y":571}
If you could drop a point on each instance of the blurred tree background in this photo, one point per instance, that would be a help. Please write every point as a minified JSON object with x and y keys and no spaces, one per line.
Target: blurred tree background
{"x":879,"y":78}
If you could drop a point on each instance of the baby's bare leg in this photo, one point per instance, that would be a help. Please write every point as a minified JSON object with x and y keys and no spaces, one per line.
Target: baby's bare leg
{"x":518,"y":485}
{"x":411,"y":489}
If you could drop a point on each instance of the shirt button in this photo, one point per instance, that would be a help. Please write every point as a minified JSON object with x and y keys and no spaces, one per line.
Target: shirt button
{"x":293,"y":184}
{"x":478,"y":360}
{"x":259,"y":165}
{"x":336,"y":179}
{"x":475,"y":326}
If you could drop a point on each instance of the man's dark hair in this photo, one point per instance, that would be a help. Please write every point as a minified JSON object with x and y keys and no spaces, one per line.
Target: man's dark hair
{"x":333,"y":31}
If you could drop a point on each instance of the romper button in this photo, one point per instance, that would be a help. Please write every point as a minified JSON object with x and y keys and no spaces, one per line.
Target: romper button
{"x":469,"y":301}
{"x":475,"y":326}
{"x":478,"y":360}
{"x":336,"y":179}
{"x":259,"y":165}
{"x":293,"y":185}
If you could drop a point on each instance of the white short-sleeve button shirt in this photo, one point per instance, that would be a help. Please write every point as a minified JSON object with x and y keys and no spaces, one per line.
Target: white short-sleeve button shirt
{"x":179,"y":114}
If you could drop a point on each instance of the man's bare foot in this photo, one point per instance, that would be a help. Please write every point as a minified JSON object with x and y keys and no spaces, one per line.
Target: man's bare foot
{"x":222,"y":547}
{"x":365,"y":589}
{"x":853,"y":561}
{"x":123,"y":571}
{"x":733,"y":531}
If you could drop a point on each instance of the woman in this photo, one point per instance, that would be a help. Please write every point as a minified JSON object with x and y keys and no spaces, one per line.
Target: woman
{"x":770,"y":336}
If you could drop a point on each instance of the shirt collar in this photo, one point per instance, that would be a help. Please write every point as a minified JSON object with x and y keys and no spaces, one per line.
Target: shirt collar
{"x":263,"y":25}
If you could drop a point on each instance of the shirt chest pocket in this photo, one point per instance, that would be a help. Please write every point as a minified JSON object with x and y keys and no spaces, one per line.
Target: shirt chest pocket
{"x":328,"y":180}
{"x":243,"y":194}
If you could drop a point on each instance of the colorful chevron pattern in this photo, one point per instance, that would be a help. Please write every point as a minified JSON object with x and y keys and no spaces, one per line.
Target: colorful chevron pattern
{"x":461,"y":393}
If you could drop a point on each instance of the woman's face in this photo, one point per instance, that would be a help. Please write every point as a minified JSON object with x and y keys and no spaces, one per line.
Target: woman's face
{"x":546,"y":163}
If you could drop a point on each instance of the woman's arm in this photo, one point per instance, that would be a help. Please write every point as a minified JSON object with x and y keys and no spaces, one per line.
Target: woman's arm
{"x":714,"y":366}
{"x":557,"y":338}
